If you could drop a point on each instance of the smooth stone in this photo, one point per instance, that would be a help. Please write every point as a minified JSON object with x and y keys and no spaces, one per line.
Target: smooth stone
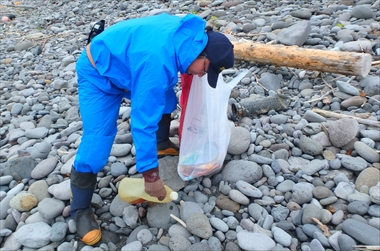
{"x":238,"y":196}
{"x":374,"y":210}
{"x":188,"y":208}
{"x":337,"y":217}
{"x":61,"y":191}
{"x":254,"y":241}
{"x":119,"y":150}
{"x":248,"y":189}
{"x":300,"y":32}
{"x":358,"y":196}
{"x":23,"y":201}
{"x":357,"y":207}
{"x":34,"y":235}
{"x":310,"y":211}
{"x":372,"y":134}
{"x":316,"y":245}
{"x":58,"y":231}
{"x":37,"y":133}
{"x":314,"y":166}
{"x":374,"y":193}
{"x":50,"y":208}
{"x":145,"y":236}
{"x":343,"y":189}
{"x":375,"y":222}
{"x":310,"y":146}
{"x":302,"y":192}
{"x":321,"y":192}
{"x":132,"y":246}
{"x":311,"y":116}
{"x":240,"y":140}
{"x":285,"y":186}
{"x":5,"y":180}
{"x":247,"y":171}
{"x":219,"y":224}
{"x":353,"y":101}
{"x":346,"y":242}
{"x":366,"y":152}
{"x":347,"y":88}
{"x":199,"y":225}
{"x":334,"y":240}
{"x":362,"y":232}
{"x":44,"y":168}
{"x":178,"y":229}
{"x":342,"y":131}
{"x":354,"y":163}
{"x":310,"y":229}
{"x":329,"y":200}
{"x":281,"y":236}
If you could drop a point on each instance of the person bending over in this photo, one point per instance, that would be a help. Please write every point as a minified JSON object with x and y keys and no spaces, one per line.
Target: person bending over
{"x":138,"y":59}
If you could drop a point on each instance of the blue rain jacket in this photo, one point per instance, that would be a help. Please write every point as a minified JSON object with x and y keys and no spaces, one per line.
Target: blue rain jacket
{"x":142,"y":56}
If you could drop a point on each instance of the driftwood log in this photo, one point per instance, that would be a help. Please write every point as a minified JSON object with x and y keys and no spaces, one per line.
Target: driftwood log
{"x":363,"y":247}
{"x":346,"y":63}
{"x":340,"y":116}
{"x":20,"y":6}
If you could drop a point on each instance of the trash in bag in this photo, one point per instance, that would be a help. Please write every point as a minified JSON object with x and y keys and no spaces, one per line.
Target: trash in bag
{"x":206,"y":133}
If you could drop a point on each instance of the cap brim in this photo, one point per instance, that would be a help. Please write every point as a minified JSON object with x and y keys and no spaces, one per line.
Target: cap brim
{"x":212,"y":77}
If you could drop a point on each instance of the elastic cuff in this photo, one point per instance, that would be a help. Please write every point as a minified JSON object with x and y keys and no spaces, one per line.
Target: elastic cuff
{"x":83,"y":180}
{"x":151,"y":175}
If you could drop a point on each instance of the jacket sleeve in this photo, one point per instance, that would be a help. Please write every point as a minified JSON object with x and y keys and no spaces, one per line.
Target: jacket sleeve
{"x":151,"y":78}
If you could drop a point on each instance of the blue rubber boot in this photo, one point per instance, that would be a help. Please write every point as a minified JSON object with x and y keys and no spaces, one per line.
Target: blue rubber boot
{"x":82,"y":188}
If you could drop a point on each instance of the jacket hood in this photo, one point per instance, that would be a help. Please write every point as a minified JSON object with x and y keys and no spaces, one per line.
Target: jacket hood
{"x":189,"y":40}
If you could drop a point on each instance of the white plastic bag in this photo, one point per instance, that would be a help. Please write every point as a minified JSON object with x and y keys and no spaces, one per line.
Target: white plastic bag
{"x":205,"y":133}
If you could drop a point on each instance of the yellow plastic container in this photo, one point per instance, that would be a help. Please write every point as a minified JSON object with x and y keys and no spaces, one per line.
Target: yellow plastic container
{"x":132,"y":191}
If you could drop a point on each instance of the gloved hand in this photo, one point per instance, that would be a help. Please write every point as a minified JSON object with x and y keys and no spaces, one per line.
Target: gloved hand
{"x":154,"y":186}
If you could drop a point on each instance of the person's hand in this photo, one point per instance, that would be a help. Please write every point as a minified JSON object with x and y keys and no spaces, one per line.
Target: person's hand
{"x":154,"y":186}
{"x":156,"y":189}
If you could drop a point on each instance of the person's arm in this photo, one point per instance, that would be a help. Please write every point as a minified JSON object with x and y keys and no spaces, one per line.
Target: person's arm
{"x":149,"y":84}
{"x":154,"y":186}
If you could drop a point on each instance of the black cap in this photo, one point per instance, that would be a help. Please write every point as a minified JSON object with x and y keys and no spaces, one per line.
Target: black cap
{"x":220,"y":51}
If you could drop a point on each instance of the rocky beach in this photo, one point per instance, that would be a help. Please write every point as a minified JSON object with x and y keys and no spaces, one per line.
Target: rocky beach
{"x":303,"y":176}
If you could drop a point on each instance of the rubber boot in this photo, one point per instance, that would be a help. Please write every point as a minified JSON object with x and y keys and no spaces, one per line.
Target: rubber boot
{"x":164,"y":145}
{"x":82,"y":188}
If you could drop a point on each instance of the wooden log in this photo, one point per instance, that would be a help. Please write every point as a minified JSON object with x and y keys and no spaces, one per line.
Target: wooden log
{"x":363,"y":247}
{"x":20,"y":6}
{"x":347,"y":63}
{"x":340,"y":116}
